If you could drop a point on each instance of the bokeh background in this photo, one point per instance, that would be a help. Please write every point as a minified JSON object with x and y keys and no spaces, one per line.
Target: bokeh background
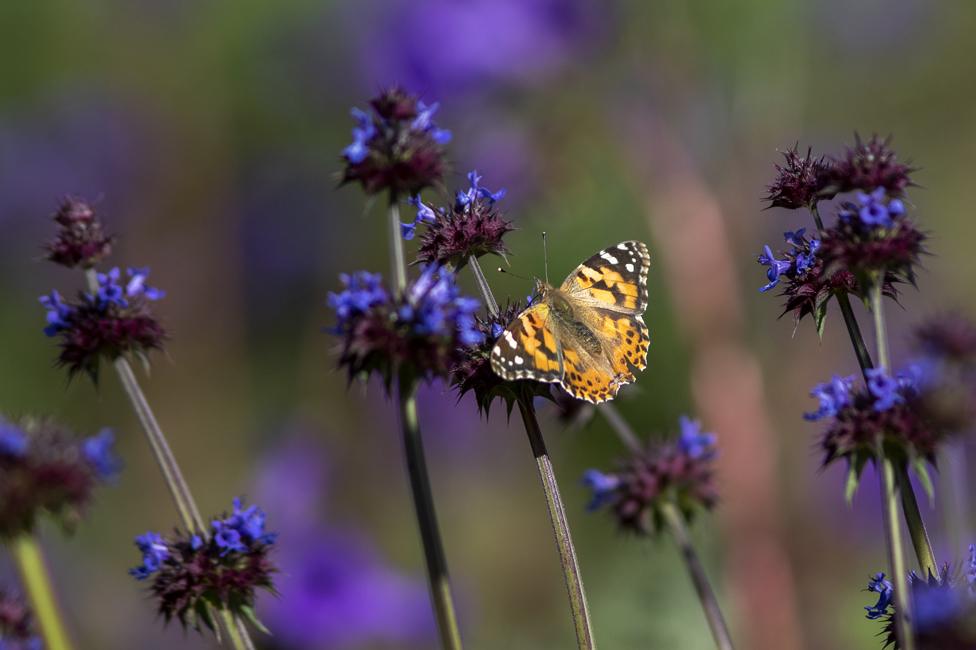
{"x":207,"y":134}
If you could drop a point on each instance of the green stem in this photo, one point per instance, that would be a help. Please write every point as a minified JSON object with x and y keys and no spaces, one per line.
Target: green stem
{"x":713,"y":613}
{"x":916,"y":527}
{"x":179,"y":489}
{"x":479,"y":275}
{"x":437,"y":574}
{"x":560,"y":528}
{"x":397,"y":257}
{"x":889,"y":499}
{"x":37,"y":583}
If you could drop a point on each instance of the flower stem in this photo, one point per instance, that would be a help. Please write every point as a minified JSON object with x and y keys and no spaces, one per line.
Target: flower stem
{"x":713,"y":613}
{"x":896,"y":560}
{"x":620,"y":426}
{"x":560,"y":528}
{"x":916,"y":527}
{"x":479,"y":275}
{"x":37,"y":583}
{"x":440,"y":584}
{"x":397,"y":258}
{"x":179,"y":489}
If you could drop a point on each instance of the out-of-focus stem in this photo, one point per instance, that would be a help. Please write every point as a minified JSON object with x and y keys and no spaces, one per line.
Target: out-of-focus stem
{"x":37,"y":583}
{"x":620,"y":426}
{"x":560,"y":528}
{"x":179,"y":489}
{"x":889,"y":500}
{"x":713,"y":613}
{"x":916,"y":527}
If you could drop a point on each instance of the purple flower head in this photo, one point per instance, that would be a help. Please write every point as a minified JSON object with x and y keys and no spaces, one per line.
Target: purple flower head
{"x":45,"y":469}
{"x":879,"y":585}
{"x":99,"y":451}
{"x":154,"y":551}
{"x":833,"y":396}
{"x":397,"y":148}
{"x":191,"y":574}
{"x":799,"y":181}
{"x":869,"y":165}
{"x":58,"y":313}
{"x":949,"y":337}
{"x":471,"y":227}
{"x":678,"y":471}
{"x":17,"y":624}
{"x":884,"y":388}
{"x":694,"y":443}
{"x":418,"y":332}
{"x":362,"y":291}
{"x":472,"y":371}
{"x":80,"y":240}
{"x":603,"y":486}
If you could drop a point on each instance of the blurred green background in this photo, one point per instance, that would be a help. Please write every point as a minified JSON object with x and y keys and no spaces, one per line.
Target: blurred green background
{"x":207,"y":134}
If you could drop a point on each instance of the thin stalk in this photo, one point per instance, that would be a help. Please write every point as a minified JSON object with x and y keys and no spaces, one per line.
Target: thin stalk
{"x":916,"y":525}
{"x":430,"y":537}
{"x":889,"y":499}
{"x":437,"y":574}
{"x":579,"y":609}
{"x":620,"y":426}
{"x":560,"y":528}
{"x":179,"y":489}
{"x":713,"y":613}
{"x":37,"y":583}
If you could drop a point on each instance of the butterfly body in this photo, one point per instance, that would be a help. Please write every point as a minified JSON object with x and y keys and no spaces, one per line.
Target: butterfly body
{"x":588,"y":333}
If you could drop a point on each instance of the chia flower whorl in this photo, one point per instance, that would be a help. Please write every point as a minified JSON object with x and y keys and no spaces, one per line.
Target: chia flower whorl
{"x":472,"y":371}
{"x":472,"y":227}
{"x":867,"y":166}
{"x":191,"y":575}
{"x":678,"y":471}
{"x":110,"y":323}
{"x":800,"y":181}
{"x":17,"y":624}
{"x":397,"y":147}
{"x":417,"y":333}
{"x":44,"y":468}
{"x":80,"y":240}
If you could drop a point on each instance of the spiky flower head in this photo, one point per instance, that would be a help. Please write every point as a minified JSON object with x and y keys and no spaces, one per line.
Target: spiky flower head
{"x":873,"y":235}
{"x":46,"y":469}
{"x":943,"y":608}
{"x":111,"y":322}
{"x":80,"y":240}
{"x":396,"y":147}
{"x":192,"y":576}
{"x":416,"y":333}
{"x":867,"y":166}
{"x":679,"y":471}
{"x":950,"y":337}
{"x":471,"y":227}
{"x":889,"y":407}
{"x":472,"y":372}
{"x":799,"y":182}
{"x":16,"y":624}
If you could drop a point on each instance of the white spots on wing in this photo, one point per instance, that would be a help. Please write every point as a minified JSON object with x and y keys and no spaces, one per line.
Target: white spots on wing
{"x":510,"y":339}
{"x":519,"y":360}
{"x":622,"y":247}
{"x":629,"y":267}
{"x":608,"y":257}
{"x":497,"y":350}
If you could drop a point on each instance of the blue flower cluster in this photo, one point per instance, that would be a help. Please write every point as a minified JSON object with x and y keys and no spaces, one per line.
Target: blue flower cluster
{"x":154,"y":551}
{"x":477,"y":191}
{"x":872,"y":210}
{"x":110,"y":292}
{"x":425,"y":214}
{"x":434,"y":306}
{"x":361,"y":291}
{"x":797,"y":261}
{"x":241,"y":530}
{"x":884,"y":390}
{"x":603,"y":486}
{"x":99,"y":451}
{"x":693,"y":442}
{"x":366,"y":129}
{"x":833,"y":396}
{"x":883,"y":588}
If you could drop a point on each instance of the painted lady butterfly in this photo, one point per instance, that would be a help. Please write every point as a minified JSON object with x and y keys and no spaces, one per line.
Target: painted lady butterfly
{"x":587,"y":334}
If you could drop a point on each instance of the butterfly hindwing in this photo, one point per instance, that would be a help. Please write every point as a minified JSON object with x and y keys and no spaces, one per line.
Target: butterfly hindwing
{"x":527,"y":349}
{"x":614,"y":278}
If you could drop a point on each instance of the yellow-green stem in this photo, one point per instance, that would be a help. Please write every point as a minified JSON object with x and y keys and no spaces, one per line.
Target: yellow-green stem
{"x":37,"y":583}
{"x":713,"y":613}
{"x":889,"y":498}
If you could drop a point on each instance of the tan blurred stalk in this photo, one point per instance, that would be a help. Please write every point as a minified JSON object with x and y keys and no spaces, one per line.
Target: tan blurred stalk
{"x":694,"y":252}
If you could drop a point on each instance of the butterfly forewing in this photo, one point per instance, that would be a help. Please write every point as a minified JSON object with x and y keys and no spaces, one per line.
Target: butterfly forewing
{"x":527,"y":349}
{"x":614,"y":278}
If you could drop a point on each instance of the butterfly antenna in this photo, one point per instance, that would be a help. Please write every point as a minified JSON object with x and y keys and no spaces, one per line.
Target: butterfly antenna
{"x":514,"y":275}
{"x":545,"y":254}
